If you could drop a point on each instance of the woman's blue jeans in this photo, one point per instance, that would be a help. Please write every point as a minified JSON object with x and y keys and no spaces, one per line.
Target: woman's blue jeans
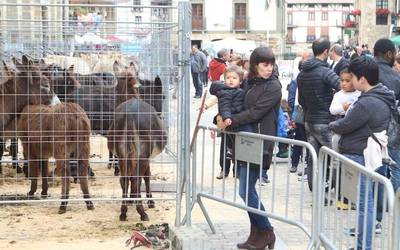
{"x":368,"y":213}
{"x":256,"y":220}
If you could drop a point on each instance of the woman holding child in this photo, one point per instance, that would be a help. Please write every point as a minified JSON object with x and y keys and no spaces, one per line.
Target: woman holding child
{"x":261,"y":103}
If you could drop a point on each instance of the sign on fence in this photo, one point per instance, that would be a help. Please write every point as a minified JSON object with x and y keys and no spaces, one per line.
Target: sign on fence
{"x":349,"y":177}
{"x":248,"y":149}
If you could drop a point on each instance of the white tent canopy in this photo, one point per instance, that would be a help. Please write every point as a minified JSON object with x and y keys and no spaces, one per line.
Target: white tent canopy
{"x":239,"y":46}
{"x":90,"y":38}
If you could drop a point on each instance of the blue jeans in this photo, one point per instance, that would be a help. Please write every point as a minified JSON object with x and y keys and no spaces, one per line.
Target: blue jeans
{"x":256,"y":220}
{"x":395,"y":170}
{"x":370,"y":204}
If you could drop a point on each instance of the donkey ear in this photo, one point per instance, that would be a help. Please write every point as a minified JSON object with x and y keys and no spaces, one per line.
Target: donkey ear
{"x":71,"y":68}
{"x":25,"y":60}
{"x":42,"y":62}
{"x":157,"y":81}
{"x":15,"y":61}
{"x":116,"y":67}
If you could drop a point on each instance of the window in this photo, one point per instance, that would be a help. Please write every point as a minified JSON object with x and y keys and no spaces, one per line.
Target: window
{"x":381,"y":19}
{"x":240,"y":16}
{"x":325,"y":32}
{"x":311,"y":16}
{"x":290,"y":6}
{"x":382,"y":4}
{"x":290,"y":18}
{"x":311,"y":6}
{"x":324,"y":5}
{"x":137,"y":2}
{"x":310,"y":34}
{"x":138,"y":19}
{"x":324,"y":16}
{"x":290,"y":35}
{"x":197,"y":16}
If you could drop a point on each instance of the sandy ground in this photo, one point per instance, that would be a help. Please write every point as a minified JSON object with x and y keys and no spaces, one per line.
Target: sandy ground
{"x":39,"y":226}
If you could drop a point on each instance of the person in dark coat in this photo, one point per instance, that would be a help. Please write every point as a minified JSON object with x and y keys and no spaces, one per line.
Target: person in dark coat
{"x":262,"y":101}
{"x":339,"y":62}
{"x":316,"y":83}
{"x":385,"y":53}
{"x":369,"y":114}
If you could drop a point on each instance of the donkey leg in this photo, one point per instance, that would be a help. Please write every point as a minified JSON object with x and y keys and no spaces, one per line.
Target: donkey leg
{"x":146,"y":177}
{"x":45,"y":171}
{"x":65,"y":184}
{"x":139,"y":205}
{"x":33,"y":175}
{"x":83,"y":166}
{"x":14,"y":153}
{"x":124,"y":181}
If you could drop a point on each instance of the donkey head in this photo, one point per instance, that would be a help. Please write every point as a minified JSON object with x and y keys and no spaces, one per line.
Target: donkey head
{"x":32,"y":84}
{"x":127,"y":82}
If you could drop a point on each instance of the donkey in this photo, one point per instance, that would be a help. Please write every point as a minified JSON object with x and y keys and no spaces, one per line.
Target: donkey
{"x":59,"y":131}
{"x":135,"y":136}
{"x":28,"y":86}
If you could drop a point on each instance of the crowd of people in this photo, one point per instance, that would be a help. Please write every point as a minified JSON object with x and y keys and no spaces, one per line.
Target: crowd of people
{"x":346,"y":105}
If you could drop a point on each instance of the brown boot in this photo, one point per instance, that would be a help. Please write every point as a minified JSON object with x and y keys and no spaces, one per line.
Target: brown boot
{"x":250,"y":240}
{"x":264,"y":238}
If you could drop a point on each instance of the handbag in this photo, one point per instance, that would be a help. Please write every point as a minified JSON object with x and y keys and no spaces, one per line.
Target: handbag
{"x":298,"y":114}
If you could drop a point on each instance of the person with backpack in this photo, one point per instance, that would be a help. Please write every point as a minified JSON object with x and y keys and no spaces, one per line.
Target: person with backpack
{"x":316,"y":83}
{"x":262,"y":102}
{"x":363,"y":127}
{"x":384,"y":55}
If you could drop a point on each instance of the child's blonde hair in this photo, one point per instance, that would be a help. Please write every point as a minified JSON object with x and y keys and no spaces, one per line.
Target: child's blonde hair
{"x":236,"y":69}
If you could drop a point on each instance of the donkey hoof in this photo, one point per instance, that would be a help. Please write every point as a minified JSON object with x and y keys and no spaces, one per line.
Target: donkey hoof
{"x":151,"y":204}
{"x":116,"y":171}
{"x":144,"y":217}
{"x":44,"y":195}
{"x":62,"y":210}
{"x":109,"y":166}
{"x":90,"y":206}
{"x":122,"y":217}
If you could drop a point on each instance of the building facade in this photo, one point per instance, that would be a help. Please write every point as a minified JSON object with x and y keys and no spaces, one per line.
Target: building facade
{"x":378,"y":19}
{"x":307,"y":20}
{"x":261,"y":21}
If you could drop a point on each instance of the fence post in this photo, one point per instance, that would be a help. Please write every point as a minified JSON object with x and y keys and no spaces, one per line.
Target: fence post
{"x":183,"y":171}
{"x":396,"y":223}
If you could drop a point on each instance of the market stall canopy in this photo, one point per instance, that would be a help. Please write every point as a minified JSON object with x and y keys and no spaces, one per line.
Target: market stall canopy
{"x":90,"y":38}
{"x":395,"y":40}
{"x":239,"y":46}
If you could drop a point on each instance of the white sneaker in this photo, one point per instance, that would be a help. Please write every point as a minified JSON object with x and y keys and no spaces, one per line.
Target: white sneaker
{"x":302,"y":178}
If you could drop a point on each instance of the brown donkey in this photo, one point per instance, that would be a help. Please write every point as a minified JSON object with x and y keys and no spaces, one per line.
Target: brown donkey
{"x":135,"y":136}
{"x":18,"y":89}
{"x":57,"y":131}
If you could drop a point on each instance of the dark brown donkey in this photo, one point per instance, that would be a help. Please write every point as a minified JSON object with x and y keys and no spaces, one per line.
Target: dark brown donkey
{"x":135,"y":136}
{"x":60,"y":131}
{"x":20,"y":89}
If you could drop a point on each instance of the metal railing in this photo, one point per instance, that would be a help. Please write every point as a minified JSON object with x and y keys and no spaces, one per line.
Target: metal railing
{"x":355,"y":204}
{"x":282,"y":202}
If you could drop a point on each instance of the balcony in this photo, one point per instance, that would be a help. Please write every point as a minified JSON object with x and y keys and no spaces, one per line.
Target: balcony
{"x":240,"y":24}
{"x":198,"y":24}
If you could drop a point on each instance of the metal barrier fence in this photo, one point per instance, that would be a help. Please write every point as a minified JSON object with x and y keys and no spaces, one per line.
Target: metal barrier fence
{"x":157,"y":46}
{"x":284,"y":200}
{"x":344,"y":219}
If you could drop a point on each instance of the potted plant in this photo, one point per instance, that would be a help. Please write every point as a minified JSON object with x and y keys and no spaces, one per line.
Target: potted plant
{"x":356,"y":12}
{"x":382,"y":12}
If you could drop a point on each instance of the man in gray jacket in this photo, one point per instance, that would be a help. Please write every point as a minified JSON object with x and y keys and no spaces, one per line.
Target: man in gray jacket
{"x":198,"y":65}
